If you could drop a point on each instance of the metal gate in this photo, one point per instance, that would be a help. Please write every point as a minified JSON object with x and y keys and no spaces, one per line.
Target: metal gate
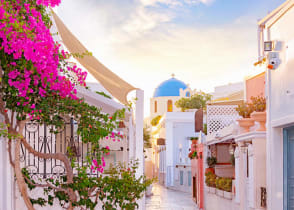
{"x":42,"y":140}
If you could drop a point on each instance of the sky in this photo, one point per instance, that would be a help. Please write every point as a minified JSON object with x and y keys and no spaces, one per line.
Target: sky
{"x":205,"y":43}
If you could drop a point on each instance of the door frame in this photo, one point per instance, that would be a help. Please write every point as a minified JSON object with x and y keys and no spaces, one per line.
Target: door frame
{"x":285,"y":166}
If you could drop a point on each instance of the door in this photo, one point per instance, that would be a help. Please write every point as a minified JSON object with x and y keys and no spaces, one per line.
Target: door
{"x":288,"y":168}
{"x":194,"y":188}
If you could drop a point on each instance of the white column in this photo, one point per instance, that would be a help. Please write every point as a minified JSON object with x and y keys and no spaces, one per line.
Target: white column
{"x":139,"y":139}
{"x":131,"y":145}
{"x":6,"y":179}
{"x":242,"y":177}
{"x":237,"y":174}
{"x":139,"y":131}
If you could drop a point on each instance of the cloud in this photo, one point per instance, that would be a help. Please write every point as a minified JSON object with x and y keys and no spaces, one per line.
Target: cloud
{"x":143,"y":20}
{"x":143,"y":45}
{"x":174,"y":2}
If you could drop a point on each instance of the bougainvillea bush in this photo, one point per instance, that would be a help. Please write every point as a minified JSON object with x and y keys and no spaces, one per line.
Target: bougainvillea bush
{"x":38,"y":84}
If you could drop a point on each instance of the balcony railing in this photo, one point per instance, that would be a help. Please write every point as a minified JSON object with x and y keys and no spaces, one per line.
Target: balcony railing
{"x":220,"y":116}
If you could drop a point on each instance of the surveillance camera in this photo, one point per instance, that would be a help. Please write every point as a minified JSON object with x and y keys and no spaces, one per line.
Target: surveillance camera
{"x":274,"y":61}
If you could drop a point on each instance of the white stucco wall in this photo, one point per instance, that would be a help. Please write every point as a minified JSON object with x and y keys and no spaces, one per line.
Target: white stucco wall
{"x":162,"y":102}
{"x":162,"y":105}
{"x":178,"y":127}
{"x":280,"y":100}
{"x":225,"y":90}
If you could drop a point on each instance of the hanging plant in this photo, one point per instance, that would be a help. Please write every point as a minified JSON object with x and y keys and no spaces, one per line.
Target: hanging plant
{"x":193,"y":155}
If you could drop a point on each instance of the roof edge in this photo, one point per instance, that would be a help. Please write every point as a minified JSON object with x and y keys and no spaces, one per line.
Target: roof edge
{"x":273,"y":13}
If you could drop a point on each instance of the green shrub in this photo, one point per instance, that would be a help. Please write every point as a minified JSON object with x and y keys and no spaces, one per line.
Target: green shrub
{"x":155,"y":120}
{"x":227,"y":184}
{"x":210,"y":179}
{"x":224,"y":184}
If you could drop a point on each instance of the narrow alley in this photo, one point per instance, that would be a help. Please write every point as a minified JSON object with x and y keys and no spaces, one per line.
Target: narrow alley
{"x":167,"y":199}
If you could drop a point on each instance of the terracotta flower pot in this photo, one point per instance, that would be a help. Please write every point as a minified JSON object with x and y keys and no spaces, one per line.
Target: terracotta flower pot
{"x":246,"y":123}
{"x":209,"y":170}
{"x":194,"y":141}
{"x":260,"y":117}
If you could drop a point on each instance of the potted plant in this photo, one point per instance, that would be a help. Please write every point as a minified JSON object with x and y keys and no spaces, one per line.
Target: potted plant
{"x":211,"y":161}
{"x":259,"y":114}
{"x":192,"y":155}
{"x":194,"y":140}
{"x":245,"y":111}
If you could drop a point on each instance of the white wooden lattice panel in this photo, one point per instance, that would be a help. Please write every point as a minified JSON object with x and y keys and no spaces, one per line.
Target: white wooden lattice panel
{"x":220,"y":116}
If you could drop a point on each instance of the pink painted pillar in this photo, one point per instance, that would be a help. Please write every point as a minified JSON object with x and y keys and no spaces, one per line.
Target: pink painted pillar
{"x":200,"y":177}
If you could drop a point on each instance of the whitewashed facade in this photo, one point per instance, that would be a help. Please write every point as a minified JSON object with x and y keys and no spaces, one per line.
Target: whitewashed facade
{"x":277,"y":27}
{"x":173,"y":164}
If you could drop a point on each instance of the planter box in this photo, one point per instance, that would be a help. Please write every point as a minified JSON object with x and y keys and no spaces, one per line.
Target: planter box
{"x":220,"y":193}
{"x":228,"y":195}
{"x":212,"y":190}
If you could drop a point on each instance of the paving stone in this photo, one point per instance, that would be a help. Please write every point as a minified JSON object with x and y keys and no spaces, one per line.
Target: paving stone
{"x":167,"y":199}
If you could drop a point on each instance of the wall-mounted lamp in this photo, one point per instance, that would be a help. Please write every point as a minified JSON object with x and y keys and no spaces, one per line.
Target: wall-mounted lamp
{"x":268,"y":46}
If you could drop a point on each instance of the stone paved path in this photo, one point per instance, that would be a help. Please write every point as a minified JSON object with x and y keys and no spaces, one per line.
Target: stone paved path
{"x":166,"y":199}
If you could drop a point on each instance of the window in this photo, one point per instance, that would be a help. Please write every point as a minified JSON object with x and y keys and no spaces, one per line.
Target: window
{"x":189,"y":178}
{"x":188,"y":94}
{"x":181,"y":177}
{"x":155,"y":106}
{"x":169,"y":105}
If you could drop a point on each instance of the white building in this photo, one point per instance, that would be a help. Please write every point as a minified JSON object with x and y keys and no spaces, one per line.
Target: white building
{"x":166,"y":94}
{"x":277,"y":45}
{"x":229,"y":92}
{"x":171,"y":137}
{"x":225,"y":138}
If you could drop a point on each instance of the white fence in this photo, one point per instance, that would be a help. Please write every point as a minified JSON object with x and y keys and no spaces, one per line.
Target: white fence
{"x":220,"y":116}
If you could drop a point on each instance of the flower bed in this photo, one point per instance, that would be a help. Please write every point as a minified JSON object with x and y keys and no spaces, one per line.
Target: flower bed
{"x":219,"y":185}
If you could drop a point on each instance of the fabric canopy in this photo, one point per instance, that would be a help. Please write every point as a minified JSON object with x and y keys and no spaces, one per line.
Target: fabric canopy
{"x":110,"y":81}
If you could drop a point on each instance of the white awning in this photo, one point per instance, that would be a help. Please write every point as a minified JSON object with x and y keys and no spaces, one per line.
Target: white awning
{"x":110,"y":81}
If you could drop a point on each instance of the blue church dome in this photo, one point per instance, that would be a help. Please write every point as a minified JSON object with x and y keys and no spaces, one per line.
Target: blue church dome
{"x":170,"y":87}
